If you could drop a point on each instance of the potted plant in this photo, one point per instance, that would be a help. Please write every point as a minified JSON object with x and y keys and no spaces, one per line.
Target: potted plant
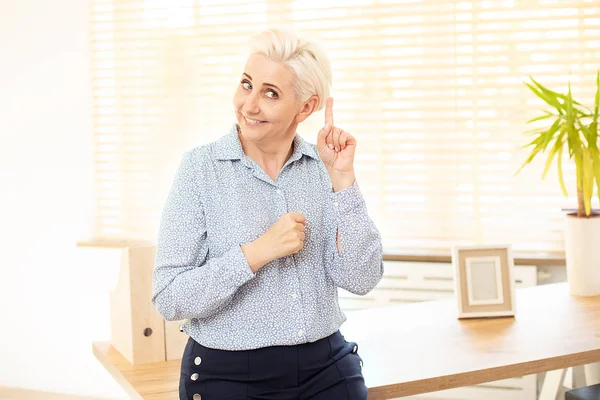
{"x":573,"y":127}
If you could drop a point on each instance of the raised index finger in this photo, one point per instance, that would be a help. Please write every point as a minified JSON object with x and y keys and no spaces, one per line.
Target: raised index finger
{"x":329,"y":111}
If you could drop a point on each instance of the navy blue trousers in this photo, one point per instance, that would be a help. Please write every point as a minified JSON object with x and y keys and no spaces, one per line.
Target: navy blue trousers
{"x":328,"y":369}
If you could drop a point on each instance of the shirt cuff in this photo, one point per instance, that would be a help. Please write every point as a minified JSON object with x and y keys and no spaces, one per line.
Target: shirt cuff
{"x":242,"y":272}
{"x":347,"y":199}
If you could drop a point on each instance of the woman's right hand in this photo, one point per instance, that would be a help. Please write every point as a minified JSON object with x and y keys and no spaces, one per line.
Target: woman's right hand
{"x":284,"y":237}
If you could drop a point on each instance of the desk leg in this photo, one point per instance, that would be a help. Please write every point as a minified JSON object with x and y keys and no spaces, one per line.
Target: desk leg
{"x":592,"y":373}
{"x":579,"y":379}
{"x":552,"y":389}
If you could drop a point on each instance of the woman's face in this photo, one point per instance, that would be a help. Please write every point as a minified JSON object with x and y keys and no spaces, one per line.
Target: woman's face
{"x":265,"y":102}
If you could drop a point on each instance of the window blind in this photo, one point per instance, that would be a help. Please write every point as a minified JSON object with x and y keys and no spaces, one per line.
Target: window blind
{"x":432,"y":90}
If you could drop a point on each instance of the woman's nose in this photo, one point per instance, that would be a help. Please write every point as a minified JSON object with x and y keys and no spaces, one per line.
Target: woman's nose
{"x":251,"y":104}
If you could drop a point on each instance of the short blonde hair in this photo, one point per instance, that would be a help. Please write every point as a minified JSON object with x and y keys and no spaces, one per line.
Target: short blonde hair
{"x":305,"y":58}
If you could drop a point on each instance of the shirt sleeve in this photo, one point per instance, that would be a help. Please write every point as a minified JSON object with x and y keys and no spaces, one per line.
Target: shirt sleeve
{"x":359,"y":267}
{"x":184,"y":283}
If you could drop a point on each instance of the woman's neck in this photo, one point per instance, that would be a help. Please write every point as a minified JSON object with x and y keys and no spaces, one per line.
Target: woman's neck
{"x":271,"y":157}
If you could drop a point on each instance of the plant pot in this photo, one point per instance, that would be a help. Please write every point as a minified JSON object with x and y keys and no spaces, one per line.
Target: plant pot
{"x":582,"y":252}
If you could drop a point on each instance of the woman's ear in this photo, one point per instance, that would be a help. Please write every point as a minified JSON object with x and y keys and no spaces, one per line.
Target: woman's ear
{"x":308,"y":107}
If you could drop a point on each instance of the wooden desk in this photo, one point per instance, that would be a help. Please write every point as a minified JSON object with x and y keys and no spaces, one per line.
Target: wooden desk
{"x":422,"y":347}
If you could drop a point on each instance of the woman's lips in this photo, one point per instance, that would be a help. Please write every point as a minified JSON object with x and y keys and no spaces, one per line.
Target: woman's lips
{"x":253,"y":122}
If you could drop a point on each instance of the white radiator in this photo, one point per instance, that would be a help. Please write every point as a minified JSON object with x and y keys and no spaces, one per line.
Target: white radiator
{"x":406,"y":282}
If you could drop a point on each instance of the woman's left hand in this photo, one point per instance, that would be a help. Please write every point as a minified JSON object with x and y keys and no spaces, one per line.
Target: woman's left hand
{"x":336,"y":146}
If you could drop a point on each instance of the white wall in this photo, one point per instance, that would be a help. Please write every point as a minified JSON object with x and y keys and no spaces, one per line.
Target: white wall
{"x":53,"y":300}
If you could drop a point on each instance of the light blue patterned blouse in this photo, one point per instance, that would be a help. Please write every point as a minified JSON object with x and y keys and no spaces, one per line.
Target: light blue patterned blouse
{"x":221,"y":199}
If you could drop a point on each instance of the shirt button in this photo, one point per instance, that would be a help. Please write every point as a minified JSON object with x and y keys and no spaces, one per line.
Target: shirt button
{"x":294,"y":295}
{"x":194,"y":377}
{"x":300,"y":332}
{"x":197,"y":396}
{"x":279,"y":192}
{"x":335,"y":204}
{"x":197,"y":360}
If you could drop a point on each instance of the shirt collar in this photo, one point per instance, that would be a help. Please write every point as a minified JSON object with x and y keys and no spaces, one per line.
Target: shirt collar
{"x":229,"y":147}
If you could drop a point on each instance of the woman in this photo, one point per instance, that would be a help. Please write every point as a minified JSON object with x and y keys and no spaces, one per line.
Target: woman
{"x":259,"y":230}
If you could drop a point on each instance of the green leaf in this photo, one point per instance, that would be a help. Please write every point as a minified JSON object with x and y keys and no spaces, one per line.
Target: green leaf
{"x":596,"y":168}
{"x":594,"y":134}
{"x":597,"y":99}
{"x":573,"y":138}
{"x":593,"y":137}
{"x":555,"y":94}
{"x":550,"y":133}
{"x":590,"y":133}
{"x":557,"y":145}
{"x":538,"y":140}
{"x":535,"y":131}
{"x":587,"y":133}
{"x":548,"y":115}
{"x":579,"y":172}
{"x":531,"y":156}
{"x":588,"y":180}
{"x":540,"y":143}
{"x":560,"y":173}
{"x":569,"y":103}
{"x":548,"y":98}
{"x":539,"y":146}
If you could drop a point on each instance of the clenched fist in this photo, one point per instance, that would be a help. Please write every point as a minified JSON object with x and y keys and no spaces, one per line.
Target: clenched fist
{"x":284,"y":237}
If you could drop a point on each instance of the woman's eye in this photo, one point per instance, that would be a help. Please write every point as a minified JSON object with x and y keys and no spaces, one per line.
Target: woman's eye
{"x":246,"y":85}
{"x":272,"y":94}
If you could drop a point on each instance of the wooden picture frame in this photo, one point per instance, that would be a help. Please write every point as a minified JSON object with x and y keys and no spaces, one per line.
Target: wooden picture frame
{"x":484,"y":283}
